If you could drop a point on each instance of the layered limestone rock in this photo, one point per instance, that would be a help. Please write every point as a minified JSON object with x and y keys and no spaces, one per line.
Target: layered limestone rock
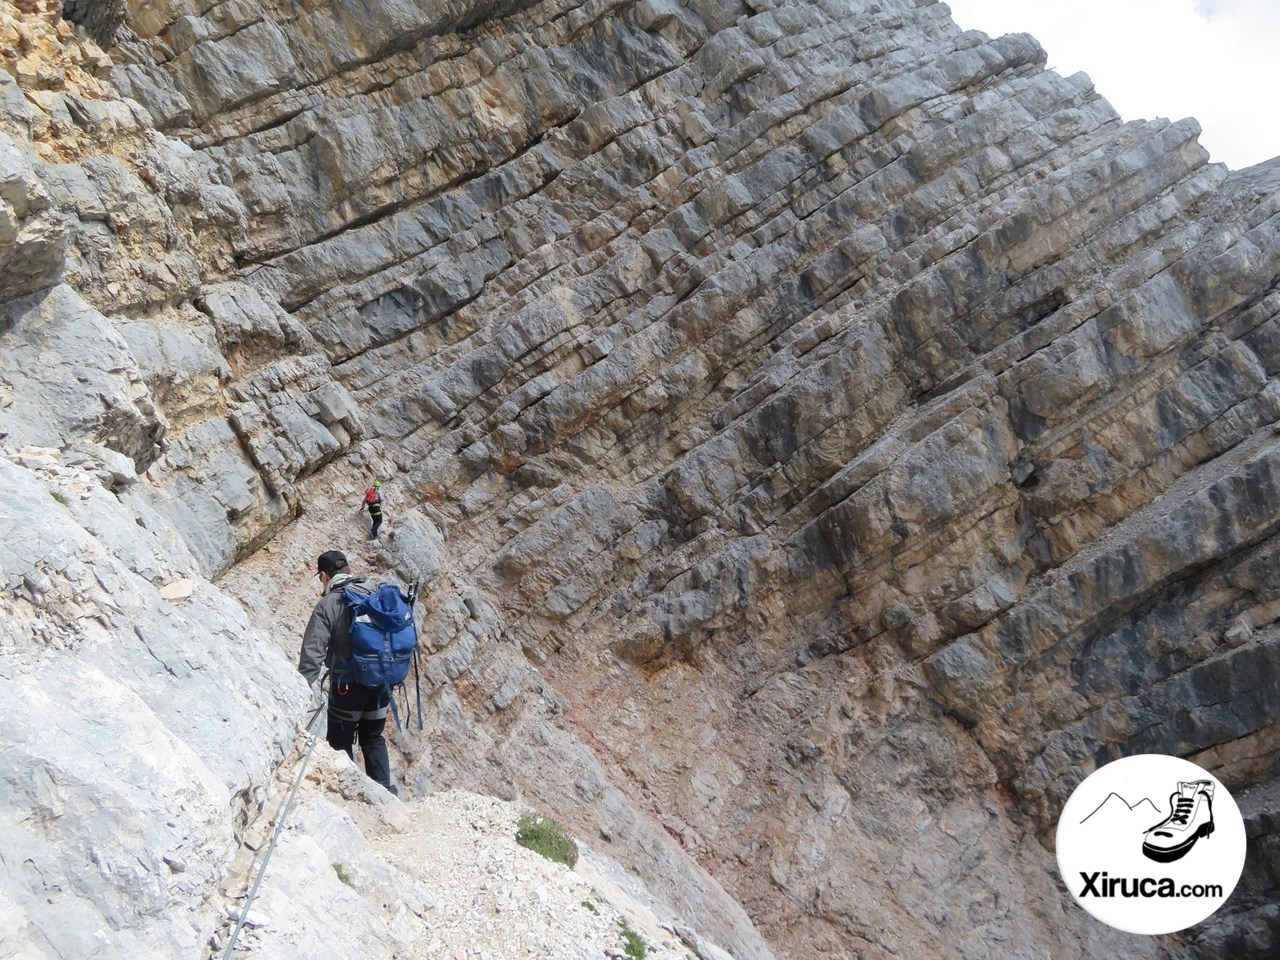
{"x":824,"y":435}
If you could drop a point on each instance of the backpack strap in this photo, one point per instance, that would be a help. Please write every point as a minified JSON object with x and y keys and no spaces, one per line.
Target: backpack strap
{"x":394,"y":712}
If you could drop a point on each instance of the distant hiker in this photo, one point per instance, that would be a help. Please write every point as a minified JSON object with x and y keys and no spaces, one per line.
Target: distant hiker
{"x":354,"y":711}
{"x":373,"y":500}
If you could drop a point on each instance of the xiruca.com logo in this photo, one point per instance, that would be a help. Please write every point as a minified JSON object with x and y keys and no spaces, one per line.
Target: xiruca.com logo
{"x":1143,"y":863}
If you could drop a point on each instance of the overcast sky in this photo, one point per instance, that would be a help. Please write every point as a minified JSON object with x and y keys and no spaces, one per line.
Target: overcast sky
{"x":1215,"y":60}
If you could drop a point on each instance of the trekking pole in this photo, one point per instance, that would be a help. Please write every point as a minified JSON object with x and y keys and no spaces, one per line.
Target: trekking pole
{"x":417,"y":685}
{"x":280,"y":821}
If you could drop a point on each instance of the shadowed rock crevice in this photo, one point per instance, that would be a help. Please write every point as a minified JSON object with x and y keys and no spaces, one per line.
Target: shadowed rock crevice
{"x":101,"y":19}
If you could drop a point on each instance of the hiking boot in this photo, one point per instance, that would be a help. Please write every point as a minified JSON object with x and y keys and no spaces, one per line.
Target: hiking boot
{"x":1190,"y":818}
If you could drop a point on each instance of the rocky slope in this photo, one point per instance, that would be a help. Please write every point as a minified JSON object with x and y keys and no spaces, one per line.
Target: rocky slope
{"x":825,"y":436}
{"x":440,"y":877}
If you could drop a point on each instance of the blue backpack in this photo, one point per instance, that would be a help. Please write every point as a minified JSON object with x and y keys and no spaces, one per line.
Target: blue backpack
{"x":384,"y":640}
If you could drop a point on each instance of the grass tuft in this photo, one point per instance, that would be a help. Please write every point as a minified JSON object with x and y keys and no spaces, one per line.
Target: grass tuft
{"x":547,"y":837}
{"x":635,"y":947}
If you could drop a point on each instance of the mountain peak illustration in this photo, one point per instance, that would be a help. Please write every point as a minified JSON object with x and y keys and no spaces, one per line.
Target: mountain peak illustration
{"x":1114,"y":802}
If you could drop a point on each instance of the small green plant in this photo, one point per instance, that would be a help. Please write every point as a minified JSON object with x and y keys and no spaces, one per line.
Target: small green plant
{"x":588,"y":905}
{"x":635,"y":947}
{"x":547,"y":837}
{"x":59,"y":496}
{"x":343,"y":874}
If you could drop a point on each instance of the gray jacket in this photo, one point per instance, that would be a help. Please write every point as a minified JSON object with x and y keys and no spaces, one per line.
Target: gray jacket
{"x":327,"y":638}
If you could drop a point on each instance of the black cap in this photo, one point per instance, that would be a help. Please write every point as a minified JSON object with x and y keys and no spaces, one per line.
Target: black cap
{"x":331,"y":561}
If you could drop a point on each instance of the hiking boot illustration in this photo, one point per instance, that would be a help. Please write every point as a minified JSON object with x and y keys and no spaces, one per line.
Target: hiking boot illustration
{"x":1190,"y":818}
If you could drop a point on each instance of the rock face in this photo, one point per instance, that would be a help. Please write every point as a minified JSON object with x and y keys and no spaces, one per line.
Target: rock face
{"x":100,"y":18}
{"x":824,"y":435}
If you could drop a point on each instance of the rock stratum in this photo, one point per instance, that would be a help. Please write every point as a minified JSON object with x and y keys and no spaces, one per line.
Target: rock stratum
{"x":824,"y":436}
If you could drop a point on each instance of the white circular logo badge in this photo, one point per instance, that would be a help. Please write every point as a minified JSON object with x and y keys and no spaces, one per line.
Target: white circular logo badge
{"x":1151,"y":844}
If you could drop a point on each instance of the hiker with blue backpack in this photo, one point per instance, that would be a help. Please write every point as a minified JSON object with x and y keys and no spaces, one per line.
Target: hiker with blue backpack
{"x":366,"y":638}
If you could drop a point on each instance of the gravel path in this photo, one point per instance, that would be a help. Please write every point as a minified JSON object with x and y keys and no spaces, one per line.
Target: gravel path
{"x":497,"y":900}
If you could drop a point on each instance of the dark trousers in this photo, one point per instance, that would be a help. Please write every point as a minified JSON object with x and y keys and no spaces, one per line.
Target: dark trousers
{"x":360,"y":713}
{"x":377,"y":522}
